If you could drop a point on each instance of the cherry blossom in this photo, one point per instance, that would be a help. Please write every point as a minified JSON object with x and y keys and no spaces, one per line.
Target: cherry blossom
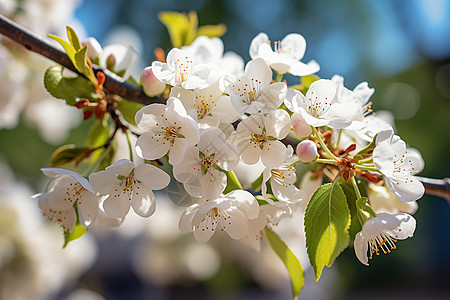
{"x":166,"y":127}
{"x":260,"y":137}
{"x":318,"y":107}
{"x":390,"y":157}
{"x":66,"y":190}
{"x":254,"y":92}
{"x":197,"y":171}
{"x":150,"y":84}
{"x":128,"y":185}
{"x":282,"y":181}
{"x":208,"y":106}
{"x":381,"y":233}
{"x":180,"y":70}
{"x":230,"y":213}
{"x":286,"y":55}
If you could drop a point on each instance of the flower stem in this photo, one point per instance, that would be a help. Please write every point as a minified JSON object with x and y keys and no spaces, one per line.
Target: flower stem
{"x":279,"y":77}
{"x":130,"y":147}
{"x":99,"y":160}
{"x":367,"y":168}
{"x":355,"y":187}
{"x":325,"y":161}
{"x":322,"y":144}
{"x":339,"y":139}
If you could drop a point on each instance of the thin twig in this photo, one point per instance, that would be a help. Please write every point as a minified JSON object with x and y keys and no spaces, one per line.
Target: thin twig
{"x":35,"y":43}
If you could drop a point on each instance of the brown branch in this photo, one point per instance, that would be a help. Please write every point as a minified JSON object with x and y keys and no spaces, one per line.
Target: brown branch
{"x":113,"y":84}
{"x":35,"y":43}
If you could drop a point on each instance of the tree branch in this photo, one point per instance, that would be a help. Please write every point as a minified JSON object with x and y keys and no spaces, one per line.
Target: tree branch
{"x":35,"y":43}
{"x":113,"y":84}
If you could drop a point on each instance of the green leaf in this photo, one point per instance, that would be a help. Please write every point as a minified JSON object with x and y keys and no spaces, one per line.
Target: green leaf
{"x":232,"y":182}
{"x":256,"y":185}
{"x":80,"y":61}
{"x":327,"y":220}
{"x":368,"y":150}
{"x":70,"y":50}
{"x":191,"y":30}
{"x":129,"y":110}
{"x":98,"y":134}
{"x":77,"y":232}
{"x":291,"y":262}
{"x":69,"y":89}
{"x":177,"y":24}
{"x":73,"y":38}
{"x":308,"y":80}
{"x":212,"y":30}
{"x":350,"y":194}
{"x":67,"y":154}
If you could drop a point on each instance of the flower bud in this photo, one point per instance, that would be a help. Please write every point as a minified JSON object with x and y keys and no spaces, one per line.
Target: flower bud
{"x":306,"y":151}
{"x":301,"y":128}
{"x":93,"y":48}
{"x":152,"y":86}
{"x":110,"y":62}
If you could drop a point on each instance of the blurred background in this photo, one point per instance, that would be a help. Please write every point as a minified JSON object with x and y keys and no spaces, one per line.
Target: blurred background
{"x":402,"y":48}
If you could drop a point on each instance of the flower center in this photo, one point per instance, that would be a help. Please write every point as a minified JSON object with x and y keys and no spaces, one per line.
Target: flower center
{"x":204,"y":106}
{"x":382,"y":242}
{"x":171,"y":133}
{"x":206,"y":163}
{"x":279,"y":48}
{"x":317,"y":106}
{"x":183,"y":69}
{"x":248,"y":92}
{"x":259,"y":139}
{"x":277,"y":175}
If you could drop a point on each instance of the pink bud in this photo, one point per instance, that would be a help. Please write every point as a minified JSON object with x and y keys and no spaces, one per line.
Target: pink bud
{"x":110,"y":62}
{"x":152,"y":86}
{"x":306,"y":151}
{"x":301,"y":128}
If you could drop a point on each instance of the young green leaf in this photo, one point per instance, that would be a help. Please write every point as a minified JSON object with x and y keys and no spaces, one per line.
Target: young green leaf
{"x":212,"y":30}
{"x":98,"y":134}
{"x":232,"y":182}
{"x":129,"y":110}
{"x":70,"y":50}
{"x":288,"y":258}
{"x":177,"y":24}
{"x":67,"y":88}
{"x":327,"y":221}
{"x":80,"y":60}
{"x":73,"y":38}
{"x":256,"y":185}
{"x":67,"y":154}
{"x":77,"y":232}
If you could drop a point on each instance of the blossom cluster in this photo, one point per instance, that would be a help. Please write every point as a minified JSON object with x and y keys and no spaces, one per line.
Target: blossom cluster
{"x":221,"y":117}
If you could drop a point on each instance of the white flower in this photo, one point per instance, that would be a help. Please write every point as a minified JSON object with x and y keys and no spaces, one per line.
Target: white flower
{"x":229,"y":213}
{"x":254,"y":92}
{"x":180,"y":70}
{"x":205,"y":50}
{"x":318,"y":107}
{"x":67,"y":189}
{"x":129,"y":185}
{"x":282,"y":182}
{"x":260,"y":137}
{"x":380,"y":234}
{"x":382,"y":200}
{"x":167,"y":127}
{"x":117,"y":58}
{"x":197,"y":171}
{"x":208,"y":106}
{"x":286,"y":55}
{"x":392,"y":160}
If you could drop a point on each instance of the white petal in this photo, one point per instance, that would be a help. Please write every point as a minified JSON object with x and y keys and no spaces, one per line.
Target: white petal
{"x":55,"y":172}
{"x":278,"y":124}
{"x":250,"y":152}
{"x":177,"y":151}
{"x":117,"y":204}
{"x":153,"y":177}
{"x":105,"y":181}
{"x":209,"y":139}
{"x":185,"y":223}
{"x":295,"y":45}
{"x":294,"y":100}
{"x":213,"y":183}
{"x":150,"y":146}
{"x":273,"y":153}
{"x":151,"y":117}
{"x":301,"y":69}
{"x":247,"y":202}
{"x":272,"y":96}
{"x":227,"y":156}
{"x":88,"y":209}
{"x":406,"y":188}
{"x":236,"y":225}
{"x":258,"y":69}
{"x":143,"y":201}
{"x":251,"y":125}
{"x":405,"y":229}
{"x":259,"y":39}
{"x":361,"y":247}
